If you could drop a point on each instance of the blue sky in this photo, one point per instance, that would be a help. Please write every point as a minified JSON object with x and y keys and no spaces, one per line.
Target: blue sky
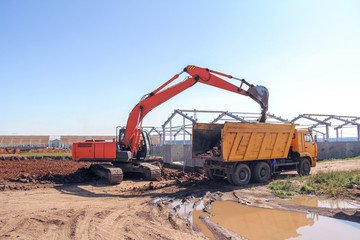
{"x":79,"y":67}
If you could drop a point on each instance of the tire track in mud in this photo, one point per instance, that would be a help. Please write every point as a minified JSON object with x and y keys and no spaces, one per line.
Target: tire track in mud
{"x":74,"y":223}
{"x":31,"y":227}
{"x":130,"y":221}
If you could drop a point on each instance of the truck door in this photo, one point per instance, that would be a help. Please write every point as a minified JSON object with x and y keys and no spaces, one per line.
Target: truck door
{"x":300,"y":141}
{"x":310,"y":145}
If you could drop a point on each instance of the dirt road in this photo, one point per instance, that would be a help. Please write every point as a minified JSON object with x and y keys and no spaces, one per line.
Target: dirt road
{"x":344,"y":165}
{"x":88,"y":212}
{"x":97,"y":211}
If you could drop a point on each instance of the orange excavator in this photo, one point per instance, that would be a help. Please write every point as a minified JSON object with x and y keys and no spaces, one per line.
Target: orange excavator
{"x":131,"y":149}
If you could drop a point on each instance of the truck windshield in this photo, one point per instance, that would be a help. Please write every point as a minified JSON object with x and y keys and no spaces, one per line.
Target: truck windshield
{"x":308,"y":138}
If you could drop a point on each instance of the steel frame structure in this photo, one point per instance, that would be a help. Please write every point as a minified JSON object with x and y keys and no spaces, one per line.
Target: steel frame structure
{"x":168,"y":133}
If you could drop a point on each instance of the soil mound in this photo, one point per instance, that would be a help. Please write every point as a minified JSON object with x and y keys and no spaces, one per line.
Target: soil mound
{"x":181,"y":177}
{"x":81,"y":175}
{"x":17,"y":172}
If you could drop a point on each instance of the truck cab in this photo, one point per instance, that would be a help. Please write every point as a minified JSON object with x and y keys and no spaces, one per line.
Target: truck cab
{"x":304,"y":145}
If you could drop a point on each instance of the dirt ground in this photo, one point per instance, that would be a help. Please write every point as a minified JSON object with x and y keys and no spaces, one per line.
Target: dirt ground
{"x":26,"y":150}
{"x":53,"y":199}
{"x":344,"y":165}
{"x":88,"y":212}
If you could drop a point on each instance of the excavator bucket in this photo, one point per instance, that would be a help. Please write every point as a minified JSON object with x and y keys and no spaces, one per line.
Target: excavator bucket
{"x":261,"y":95}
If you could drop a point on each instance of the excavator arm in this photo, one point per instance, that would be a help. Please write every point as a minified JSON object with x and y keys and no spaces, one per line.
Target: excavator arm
{"x":203,"y":75}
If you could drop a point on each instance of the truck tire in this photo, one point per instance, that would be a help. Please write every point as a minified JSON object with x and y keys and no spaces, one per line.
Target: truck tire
{"x":304,"y":167}
{"x":241,"y":175}
{"x":261,"y":172}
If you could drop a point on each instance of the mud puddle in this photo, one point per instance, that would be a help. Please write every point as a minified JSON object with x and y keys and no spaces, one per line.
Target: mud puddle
{"x":261,"y":223}
{"x":223,"y":217}
{"x":185,"y":208}
{"x":320,"y":202}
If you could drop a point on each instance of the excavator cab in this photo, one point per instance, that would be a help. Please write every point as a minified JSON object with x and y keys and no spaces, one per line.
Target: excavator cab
{"x":144,"y":149}
{"x":119,"y":138}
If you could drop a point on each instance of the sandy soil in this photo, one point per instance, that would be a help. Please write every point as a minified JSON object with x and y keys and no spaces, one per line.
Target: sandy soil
{"x":344,"y":165}
{"x":88,"y":212}
{"x":94,"y":210}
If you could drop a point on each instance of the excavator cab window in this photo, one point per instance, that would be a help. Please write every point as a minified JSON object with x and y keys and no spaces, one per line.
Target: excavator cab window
{"x":146,"y":139}
{"x":121,"y":136}
{"x":144,"y":146}
{"x":141,"y":143}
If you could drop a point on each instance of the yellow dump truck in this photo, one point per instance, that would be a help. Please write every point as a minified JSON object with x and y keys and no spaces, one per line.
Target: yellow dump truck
{"x":241,"y":151}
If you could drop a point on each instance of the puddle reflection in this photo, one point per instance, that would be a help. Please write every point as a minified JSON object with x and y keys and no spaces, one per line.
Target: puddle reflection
{"x":320,"y":202}
{"x":260,"y":223}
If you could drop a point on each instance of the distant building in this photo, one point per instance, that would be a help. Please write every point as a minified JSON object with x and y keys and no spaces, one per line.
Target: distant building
{"x":24,"y":141}
{"x":56,"y":143}
{"x":67,"y":141}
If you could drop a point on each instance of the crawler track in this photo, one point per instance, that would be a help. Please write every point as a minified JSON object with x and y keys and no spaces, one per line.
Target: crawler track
{"x":113,"y":174}
{"x":151,"y":172}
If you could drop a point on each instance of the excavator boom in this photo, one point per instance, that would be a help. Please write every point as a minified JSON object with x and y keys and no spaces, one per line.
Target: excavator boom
{"x":197,"y":74}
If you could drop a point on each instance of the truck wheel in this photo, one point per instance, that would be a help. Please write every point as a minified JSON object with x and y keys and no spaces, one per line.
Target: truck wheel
{"x":242,"y":174}
{"x":304,"y":167}
{"x":261,"y":172}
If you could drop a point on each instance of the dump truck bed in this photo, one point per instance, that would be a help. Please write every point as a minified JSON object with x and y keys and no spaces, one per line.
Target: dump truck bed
{"x":241,"y":141}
